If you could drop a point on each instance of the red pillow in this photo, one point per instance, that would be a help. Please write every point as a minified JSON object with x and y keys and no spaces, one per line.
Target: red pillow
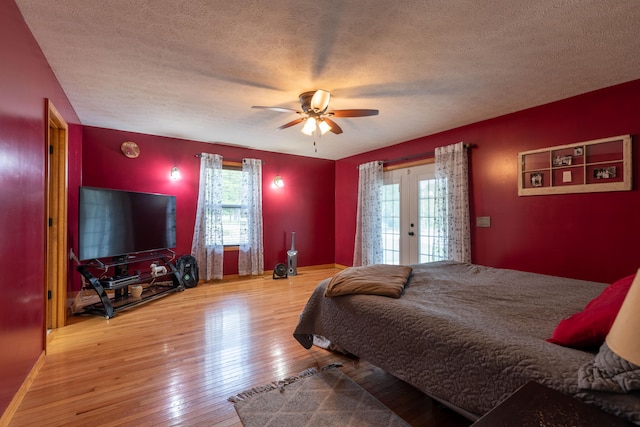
{"x":588,"y":328}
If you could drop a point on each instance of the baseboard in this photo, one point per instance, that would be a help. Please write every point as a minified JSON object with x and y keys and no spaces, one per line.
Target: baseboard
{"x":22,"y":391}
{"x":317,"y":267}
{"x":309,"y":268}
{"x":268,"y":273}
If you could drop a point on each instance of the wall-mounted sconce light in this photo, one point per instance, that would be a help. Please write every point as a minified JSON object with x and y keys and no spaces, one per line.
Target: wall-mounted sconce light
{"x":175,"y":173}
{"x":278,"y":182}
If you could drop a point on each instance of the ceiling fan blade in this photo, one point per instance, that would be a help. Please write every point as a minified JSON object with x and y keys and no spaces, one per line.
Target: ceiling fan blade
{"x":292,"y":123}
{"x":334,"y":126}
{"x":320,"y":100}
{"x":279,"y":109}
{"x":353,"y":113}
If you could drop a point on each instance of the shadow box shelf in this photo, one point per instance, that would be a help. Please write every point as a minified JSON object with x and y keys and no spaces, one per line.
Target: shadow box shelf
{"x":584,"y":167}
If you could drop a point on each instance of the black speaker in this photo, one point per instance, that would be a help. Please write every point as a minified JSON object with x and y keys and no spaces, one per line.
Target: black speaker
{"x":121,"y":270}
{"x":187,"y":266}
{"x":280,"y":271}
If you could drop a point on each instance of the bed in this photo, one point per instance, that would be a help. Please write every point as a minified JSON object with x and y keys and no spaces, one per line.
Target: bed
{"x":466,"y":335}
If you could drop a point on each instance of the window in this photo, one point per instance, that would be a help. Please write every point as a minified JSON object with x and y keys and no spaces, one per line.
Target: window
{"x":229,"y":214}
{"x":232,"y":220}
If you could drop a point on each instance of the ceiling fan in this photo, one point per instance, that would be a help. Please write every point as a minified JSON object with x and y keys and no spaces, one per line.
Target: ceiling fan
{"x":314,"y":113}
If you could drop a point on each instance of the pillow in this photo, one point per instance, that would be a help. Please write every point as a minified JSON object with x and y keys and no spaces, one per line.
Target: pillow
{"x":609,"y":372}
{"x":588,"y":328}
{"x":378,"y":279}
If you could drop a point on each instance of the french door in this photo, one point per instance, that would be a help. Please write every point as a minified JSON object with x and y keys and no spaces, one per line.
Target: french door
{"x":408,"y":215}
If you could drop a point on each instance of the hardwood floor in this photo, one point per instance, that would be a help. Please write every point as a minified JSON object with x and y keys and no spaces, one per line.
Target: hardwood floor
{"x":176,"y":360}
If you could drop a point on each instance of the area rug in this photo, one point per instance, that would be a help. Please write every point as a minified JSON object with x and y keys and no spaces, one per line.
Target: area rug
{"x":324,"y":397}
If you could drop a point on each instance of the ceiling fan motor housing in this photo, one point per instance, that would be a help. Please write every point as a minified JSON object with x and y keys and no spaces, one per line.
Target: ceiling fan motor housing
{"x":305,"y":100}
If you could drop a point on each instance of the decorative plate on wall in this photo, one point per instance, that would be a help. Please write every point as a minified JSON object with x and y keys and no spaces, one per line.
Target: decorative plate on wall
{"x":130,"y":149}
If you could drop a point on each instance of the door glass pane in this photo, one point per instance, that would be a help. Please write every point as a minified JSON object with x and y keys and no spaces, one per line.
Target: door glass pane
{"x":391,"y":223}
{"x":428,"y":236}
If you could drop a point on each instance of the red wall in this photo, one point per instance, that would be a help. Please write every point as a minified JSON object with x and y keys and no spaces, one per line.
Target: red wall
{"x":590,"y":236}
{"x":25,"y":81}
{"x":304,"y":205}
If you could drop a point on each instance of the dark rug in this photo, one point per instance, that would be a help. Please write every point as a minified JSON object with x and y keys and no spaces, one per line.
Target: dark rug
{"x":324,"y":397}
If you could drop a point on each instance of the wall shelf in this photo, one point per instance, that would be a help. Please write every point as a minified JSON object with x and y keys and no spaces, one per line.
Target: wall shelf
{"x":584,"y":167}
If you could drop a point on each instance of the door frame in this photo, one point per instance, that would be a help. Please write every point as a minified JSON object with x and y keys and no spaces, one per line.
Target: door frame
{"x":56,"y":224}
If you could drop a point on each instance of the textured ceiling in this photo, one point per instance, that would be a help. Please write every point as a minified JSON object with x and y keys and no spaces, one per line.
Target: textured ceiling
{"x":193,"y":69}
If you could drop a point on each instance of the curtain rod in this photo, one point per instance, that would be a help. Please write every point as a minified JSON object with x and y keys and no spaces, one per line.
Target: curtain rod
{"x":227,"y":160}
{"x":415,"y":156}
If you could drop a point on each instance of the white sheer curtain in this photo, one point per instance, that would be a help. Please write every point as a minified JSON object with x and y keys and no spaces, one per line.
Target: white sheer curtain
{"x":250,"y":257}
{"x":452,"y":203}
{"x":207,"y":246}
{"x":368,"y":244}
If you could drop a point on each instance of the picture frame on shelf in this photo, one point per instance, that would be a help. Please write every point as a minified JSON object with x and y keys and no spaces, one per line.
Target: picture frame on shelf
{"x":562,"y":160}
{"x":604,"y":173}
{"x":536,"y":179}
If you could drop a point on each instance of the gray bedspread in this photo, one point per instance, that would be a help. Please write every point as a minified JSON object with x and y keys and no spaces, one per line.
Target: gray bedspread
{"x":466,"y":334}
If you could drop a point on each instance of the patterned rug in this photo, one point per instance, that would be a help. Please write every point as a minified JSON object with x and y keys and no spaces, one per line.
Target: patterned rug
{"x":324,"y":397}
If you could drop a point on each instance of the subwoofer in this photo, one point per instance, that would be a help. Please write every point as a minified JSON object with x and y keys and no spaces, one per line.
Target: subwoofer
{"x":280,"y":271}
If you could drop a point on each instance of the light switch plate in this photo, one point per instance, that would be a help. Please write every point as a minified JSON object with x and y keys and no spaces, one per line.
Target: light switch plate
{"x":483,"y":221}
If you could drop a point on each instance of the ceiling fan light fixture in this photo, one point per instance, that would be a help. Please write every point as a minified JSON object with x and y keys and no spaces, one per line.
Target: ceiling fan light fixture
{"x":324,"y":127}
{"x":320,"y":100}
{"x":309,"y":126}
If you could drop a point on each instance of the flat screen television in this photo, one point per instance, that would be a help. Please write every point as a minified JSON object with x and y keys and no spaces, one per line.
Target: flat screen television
{"x":114,"y":223}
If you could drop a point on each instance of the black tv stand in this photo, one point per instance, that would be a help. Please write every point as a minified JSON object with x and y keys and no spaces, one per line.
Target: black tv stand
{"x":97,"y":272}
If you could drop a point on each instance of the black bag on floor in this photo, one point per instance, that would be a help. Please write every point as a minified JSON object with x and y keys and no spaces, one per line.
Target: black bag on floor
{"x":187,"y":266}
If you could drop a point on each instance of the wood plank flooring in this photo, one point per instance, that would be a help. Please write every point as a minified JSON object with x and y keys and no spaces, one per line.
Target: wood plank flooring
{"x":176,"y":360}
